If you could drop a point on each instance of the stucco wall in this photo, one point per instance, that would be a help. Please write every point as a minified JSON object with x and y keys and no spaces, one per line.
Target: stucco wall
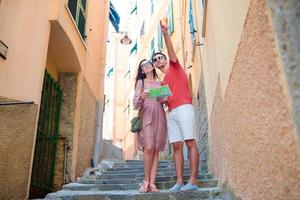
{"x":253,"y":145}
{"x":17,"y":136}
{"x":87,"y":129}
{"x":285,"y":16}
{"x":68,"y":83}
{"x":224,"y":25}
{"x":96,"y":30}
{"x":201,"y":125}
{"x":26,"y":35}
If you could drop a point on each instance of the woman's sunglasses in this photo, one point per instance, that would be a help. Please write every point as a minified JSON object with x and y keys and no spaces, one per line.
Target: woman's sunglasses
{"x":146,"y":64}
{"x":157,"y":58}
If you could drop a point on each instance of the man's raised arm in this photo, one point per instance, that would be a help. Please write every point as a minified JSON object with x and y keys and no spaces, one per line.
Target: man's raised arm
{"x":170,"y":48}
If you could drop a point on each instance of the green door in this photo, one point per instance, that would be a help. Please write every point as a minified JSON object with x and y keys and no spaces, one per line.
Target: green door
{"x":42,"y":178}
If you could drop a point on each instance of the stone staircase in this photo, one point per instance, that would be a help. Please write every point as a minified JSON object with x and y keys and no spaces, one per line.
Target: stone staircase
{"x":122,"y":181}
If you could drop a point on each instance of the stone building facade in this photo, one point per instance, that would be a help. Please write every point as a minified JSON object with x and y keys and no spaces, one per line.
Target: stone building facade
{"x":242,"y":59}
{"x":51,"y":89}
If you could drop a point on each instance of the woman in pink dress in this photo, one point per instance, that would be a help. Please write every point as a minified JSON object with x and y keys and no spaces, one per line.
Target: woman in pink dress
{"x":153,"y":137}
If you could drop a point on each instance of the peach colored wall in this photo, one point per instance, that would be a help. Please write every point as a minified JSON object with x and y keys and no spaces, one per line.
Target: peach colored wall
{"x":129,"y":147}
{"x":118,"y":101}
{"x":26,"y":34}
{"x":97,"y":19}
{"x":31,"y":29}
{"x":224,"y":23}
{"x":62,"y":16}
{"x":51,"y":66}
{"x":252,"y":136}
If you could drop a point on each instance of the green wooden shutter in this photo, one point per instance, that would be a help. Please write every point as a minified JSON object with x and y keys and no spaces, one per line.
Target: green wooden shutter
{"x":170,"y":17}
{"x":159,"y":38}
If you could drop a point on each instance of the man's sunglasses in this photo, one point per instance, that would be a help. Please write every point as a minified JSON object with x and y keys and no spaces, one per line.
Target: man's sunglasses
{"x":157,"y":58}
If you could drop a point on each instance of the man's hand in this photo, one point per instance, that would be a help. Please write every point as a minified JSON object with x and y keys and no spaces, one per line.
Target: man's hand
{"x":162,"y":99}
{"x":171,"y":52}
{"x":164,"y":28}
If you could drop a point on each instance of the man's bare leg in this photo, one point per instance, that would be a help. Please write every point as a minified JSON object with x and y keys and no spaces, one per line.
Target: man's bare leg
{"x":194,"y":160}
{"x":178,"y":159}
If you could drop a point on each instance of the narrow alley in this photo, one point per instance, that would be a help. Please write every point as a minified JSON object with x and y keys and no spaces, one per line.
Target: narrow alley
{"x":150,"y":99}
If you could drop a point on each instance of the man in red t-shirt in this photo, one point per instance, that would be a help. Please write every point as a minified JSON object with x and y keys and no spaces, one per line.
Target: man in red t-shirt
{"x":181,"y":113}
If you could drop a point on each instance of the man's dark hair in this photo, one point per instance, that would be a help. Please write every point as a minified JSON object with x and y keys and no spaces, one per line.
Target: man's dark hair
{"x":159,"y":53}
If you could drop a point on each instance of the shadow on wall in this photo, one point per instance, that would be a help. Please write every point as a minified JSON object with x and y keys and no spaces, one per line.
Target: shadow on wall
{"x":110,"y":151}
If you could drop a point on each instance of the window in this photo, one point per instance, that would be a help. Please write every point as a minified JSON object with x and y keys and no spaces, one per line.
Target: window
{"x":159,"y":38}
{"x":134,"y":10}
{"x":204,"y":11}
{"x":142,"y":31}
{"x":127,"y":108}
{"x":152,"y":7}
{"x":78,"y":11}
{"x":170,"y":17}
{"x":191,"y":22}
{"x":110,"y":72}
{"x":133,"y":49}
{"x":152,"y":48}
{"x":128,"y":113}
{"x":127,"y":74}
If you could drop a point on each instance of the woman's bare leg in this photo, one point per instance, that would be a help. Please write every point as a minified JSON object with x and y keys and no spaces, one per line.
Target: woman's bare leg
{"x":154,"y":166}
{"x":148,"y":162}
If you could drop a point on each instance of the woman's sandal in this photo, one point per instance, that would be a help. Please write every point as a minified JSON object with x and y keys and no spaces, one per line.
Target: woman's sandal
{"x":153,"y":188}
{"x":144,"y":187}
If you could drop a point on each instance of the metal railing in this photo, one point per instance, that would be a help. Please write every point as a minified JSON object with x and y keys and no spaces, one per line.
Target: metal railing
{"x":44,"y":161}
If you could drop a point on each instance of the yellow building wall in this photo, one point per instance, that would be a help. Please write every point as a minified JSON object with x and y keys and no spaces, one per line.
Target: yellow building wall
{"x":42,"y":35}
{"x":249,"y":112}
{"x":26,"y":35}
{"x":96,"y":29}
{"x":223,"y":31}
{"x":51,"y":67}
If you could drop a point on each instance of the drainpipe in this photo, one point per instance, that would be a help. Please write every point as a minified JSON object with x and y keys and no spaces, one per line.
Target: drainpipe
{"x":65,"y":160}
{"x":98,"y":140}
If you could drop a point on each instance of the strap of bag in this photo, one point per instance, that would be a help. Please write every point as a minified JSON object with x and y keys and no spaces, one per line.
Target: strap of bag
{"x":140,"y":114}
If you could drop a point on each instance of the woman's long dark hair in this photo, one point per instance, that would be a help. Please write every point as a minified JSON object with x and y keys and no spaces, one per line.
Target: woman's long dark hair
{"x":140,"y":75}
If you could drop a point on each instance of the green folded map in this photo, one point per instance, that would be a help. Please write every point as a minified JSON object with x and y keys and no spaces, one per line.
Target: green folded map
{"x":163,"y":91}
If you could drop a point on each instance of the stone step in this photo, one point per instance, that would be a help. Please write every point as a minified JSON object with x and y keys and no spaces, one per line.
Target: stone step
{"x":202,"y":193}
{"x":141,"y":161}
{"x":137,"y":175}
{"x":141,"y":170}
{"x":133,"y":185}
{"x":159,"y":178}
{"x":141,"y":166}
{"x":204,"y":183}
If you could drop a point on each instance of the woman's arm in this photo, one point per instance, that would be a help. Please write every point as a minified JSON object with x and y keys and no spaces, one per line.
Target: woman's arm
{"x":139,"y":95}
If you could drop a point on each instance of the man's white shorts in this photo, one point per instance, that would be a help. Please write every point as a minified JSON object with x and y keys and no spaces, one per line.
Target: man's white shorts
{"x":181,"y":123}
